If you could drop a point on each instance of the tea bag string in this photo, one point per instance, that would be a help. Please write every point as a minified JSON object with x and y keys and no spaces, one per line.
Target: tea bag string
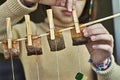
{"x":29,"y":39}
{"x":77,"y":29}
{"x":9,"y":39}
{"x":52,"y":36}
{"x":78,"y":32}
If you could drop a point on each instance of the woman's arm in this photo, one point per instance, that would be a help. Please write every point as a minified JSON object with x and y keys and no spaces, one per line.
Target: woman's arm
{"x":100,"y":46}
{"x":15,"y":10}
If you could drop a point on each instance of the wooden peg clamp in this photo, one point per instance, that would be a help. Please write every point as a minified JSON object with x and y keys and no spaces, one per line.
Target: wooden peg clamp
{"x":55,"y":38}
{"x":33,"y":41}
{"x":9,"y":33}
{"x":51,"y":24}
{"x":29,"y":33}
{"x":10,"y":47}
{"x":76,"y":22}
{"x":77,"y":35}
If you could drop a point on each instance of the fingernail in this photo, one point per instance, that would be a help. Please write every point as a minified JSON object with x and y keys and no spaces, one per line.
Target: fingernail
{"x":85,"y":33}
{"x":62,"y":3}
{"x":94,"y":46}
{"x":69,"y":8}
{"x":93,"y":38}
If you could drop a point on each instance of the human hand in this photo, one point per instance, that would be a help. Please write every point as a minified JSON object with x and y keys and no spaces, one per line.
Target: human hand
{"x":69,"y":4}
{"x":100,"y":43}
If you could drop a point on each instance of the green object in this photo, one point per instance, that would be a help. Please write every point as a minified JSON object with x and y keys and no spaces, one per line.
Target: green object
{"x":79,"y":76}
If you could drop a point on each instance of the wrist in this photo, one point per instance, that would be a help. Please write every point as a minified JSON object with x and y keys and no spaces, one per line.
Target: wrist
{"x":27,"y":3}
{"x":103,"y":66}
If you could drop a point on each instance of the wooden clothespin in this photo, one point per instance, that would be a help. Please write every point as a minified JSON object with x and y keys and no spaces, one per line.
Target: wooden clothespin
{"x":33,"y":42}
{"x":51,"y":24}
{"x":10,"y":47}
{"x":55,"y":38}
{"x":9,"y":33}
{"x":29,"y":33}
{"x":10,"y":50}
{"x":77,"y":35}
{"x":76,"y":22}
